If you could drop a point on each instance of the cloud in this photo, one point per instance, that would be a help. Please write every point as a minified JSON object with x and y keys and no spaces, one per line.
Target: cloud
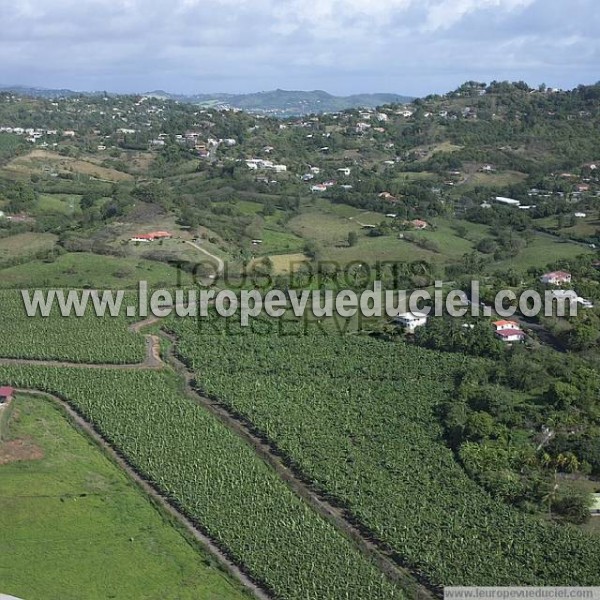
{"x":445,"y":14}
{"x":411,"y":46}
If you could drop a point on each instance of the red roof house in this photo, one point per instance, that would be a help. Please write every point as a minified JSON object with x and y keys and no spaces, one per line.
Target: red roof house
{"x":150,"y":237}
{"x":505,"y":325}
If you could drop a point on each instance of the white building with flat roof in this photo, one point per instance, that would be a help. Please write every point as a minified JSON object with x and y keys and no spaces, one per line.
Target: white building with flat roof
{"x":411,"y":320}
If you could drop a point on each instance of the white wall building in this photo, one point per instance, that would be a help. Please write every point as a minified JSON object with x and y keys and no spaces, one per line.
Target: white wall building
{"x":410,"y":321}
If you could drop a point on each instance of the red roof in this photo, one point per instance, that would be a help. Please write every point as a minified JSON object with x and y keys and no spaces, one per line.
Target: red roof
{"x":503,"y":323}
{"x":6,"y":391}
{"x":153,"y":235}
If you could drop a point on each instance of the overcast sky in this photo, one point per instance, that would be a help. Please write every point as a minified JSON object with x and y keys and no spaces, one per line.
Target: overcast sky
{"x":412,"y":47}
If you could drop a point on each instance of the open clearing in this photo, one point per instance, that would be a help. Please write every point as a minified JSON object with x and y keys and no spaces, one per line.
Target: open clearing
{"x":84,"y":529}
{"x":25,"y":244}
{"x":543,"y":251}
{"x":44,"y":162}
{"x":284,"y":263}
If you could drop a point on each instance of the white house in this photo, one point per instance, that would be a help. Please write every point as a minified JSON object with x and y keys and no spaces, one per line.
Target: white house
{"x":279,"y":168}
{"x":595,"y":509}
{"x":510,"y":335}
{"x":345,"y":171}
{"x":411,"y":320}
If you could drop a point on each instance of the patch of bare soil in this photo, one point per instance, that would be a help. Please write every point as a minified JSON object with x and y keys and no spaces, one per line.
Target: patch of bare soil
{"x":19,"y":450}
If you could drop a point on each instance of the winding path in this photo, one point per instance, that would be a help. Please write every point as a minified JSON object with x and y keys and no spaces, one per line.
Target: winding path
{"x":219,"y":261}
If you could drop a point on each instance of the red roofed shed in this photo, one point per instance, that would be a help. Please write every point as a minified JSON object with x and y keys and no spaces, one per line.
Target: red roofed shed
{"x":6,"y":393}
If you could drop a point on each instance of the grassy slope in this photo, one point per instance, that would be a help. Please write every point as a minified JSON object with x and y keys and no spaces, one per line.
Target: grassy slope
{"x":83,"y":269}
{"x":25,"y":245}
{"x":110,"y":543}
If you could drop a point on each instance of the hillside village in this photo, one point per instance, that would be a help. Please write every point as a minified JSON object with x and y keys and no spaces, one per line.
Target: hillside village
{"x":493,"y":184}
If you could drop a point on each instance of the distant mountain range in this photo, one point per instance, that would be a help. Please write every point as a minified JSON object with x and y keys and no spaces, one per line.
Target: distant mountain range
{"x":276,"y":102}
{"x":35,"y":92}
{"x":288,"y":103}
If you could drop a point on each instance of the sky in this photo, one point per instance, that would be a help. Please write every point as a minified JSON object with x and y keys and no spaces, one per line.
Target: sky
{"x":412,"y":47}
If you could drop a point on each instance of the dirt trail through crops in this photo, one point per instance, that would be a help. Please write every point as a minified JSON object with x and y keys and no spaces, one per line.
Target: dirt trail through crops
{"x":387,"y":561}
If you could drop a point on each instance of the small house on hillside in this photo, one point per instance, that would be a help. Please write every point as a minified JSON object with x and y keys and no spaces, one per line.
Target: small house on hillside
{"x":510,"y":335}
{"x":6,"y":394}
{"x":595,"y":508}
{"x":508,"y":331}
{"x":410,"y":321}
{"x":505,"y":325}
{"x":150,"y":237}
{"x":556,"y":278}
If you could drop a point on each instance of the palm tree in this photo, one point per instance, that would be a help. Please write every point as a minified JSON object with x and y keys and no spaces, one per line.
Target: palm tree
{"x":550,"y":497}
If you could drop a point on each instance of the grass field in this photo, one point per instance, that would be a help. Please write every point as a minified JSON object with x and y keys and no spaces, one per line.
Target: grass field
{"x":66,"y":204}
{"x":324,"y":227}
{"x":74,"y":526}
{"x":541,"y":252}
{"x":83,"y":269}
{"x":25,"y":244}
{"x":585,"y":227}
{"x":414,"y":176}
{"x":373,"y":249}
{"x":284,"y":263}
{"x":331,"y":228}
{"x":499,"y":180}
{"x":277,"y":241}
